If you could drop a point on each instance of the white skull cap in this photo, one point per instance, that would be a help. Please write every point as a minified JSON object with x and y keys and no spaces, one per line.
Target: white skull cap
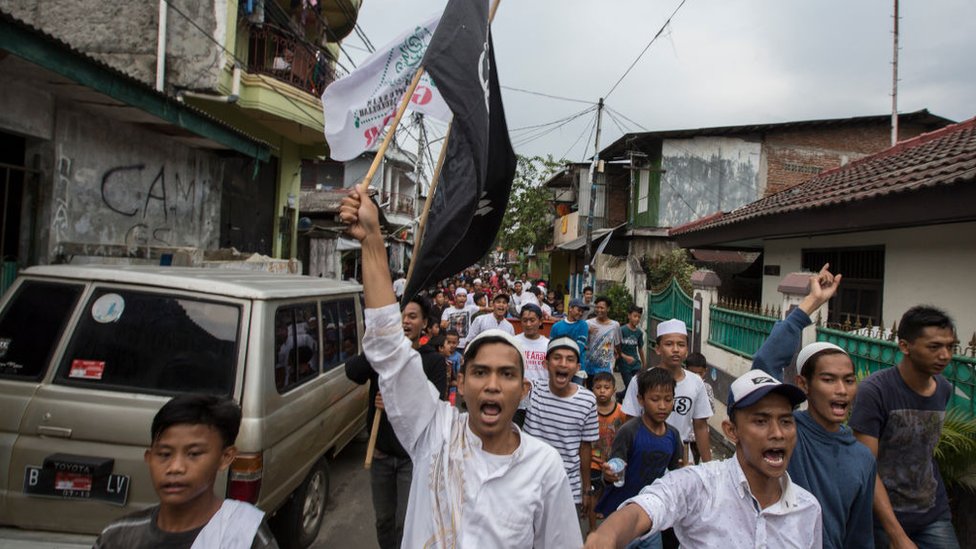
{"x":673,"y":326}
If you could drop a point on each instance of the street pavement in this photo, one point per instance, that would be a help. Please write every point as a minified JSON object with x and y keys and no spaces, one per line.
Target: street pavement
{"x":349,"y":519}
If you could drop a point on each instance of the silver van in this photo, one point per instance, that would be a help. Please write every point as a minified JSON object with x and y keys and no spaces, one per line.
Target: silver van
{"x":88,"y":354}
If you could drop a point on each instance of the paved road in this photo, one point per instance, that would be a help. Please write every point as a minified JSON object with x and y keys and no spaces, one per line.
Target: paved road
{"x":349,"y":515}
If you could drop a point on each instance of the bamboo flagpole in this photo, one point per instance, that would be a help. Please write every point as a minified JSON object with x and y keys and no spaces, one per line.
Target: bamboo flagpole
{"x":363,"y":187}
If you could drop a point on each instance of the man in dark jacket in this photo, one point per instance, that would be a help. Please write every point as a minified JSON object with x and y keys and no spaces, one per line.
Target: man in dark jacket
{"x":392,"y":469}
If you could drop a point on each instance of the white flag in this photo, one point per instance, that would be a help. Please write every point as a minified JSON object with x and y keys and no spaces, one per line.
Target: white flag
{"x":358,"y":106}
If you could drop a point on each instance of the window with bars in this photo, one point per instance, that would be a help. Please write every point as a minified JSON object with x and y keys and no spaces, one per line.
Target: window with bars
{"x":861,"y":293}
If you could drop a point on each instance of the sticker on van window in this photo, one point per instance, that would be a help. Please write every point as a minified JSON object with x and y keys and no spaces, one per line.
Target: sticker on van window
{"x":86,"y":369}
{"x":108,"y":308}
{"x":4,"y":346}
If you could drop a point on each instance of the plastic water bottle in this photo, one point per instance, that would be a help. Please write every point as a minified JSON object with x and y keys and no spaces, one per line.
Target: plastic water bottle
{"x":618,"y":466}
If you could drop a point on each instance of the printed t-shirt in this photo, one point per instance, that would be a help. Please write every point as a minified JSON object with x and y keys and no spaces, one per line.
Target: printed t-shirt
{"x":609,"y":426}
{"x":460,"y":320}
{"x":907,"y":426}
{"x":601,"y":346}
{"x":630,"y":342}
{"x":534,"y":355}
{"x":690,"y":403}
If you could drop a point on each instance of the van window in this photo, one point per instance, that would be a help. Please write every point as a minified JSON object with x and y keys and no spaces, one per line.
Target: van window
{"x":32,"y":324}
{"x":296,"y":345}
{"x":153,"y":343}
{"x":339,"y":331}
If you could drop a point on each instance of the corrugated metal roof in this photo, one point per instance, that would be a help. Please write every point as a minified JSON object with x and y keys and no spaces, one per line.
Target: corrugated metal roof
{"x":624,"y":143}
{"x":944,"y":157}
{"x":173,"y":103}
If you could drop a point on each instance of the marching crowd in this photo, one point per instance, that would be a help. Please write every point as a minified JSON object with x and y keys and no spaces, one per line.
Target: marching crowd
{"x":526,"y":451}
{"x":488,"y":439}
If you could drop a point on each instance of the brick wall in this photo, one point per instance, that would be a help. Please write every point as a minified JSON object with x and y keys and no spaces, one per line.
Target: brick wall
{"x":793,"y":156}
{"x":618,"y":197}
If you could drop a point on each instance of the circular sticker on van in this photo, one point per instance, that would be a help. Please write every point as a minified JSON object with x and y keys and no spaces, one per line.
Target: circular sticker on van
{"x":108,"y":308}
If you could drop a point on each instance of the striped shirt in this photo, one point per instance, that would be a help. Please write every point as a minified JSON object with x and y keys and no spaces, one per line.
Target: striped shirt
{"x":564,"y":423}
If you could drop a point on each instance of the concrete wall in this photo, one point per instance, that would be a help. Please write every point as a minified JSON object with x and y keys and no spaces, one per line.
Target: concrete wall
{"x":116,"y":184}
{"x":124,"y":35}
{"x":703,"y":175}
{"x":924,"y":265}
{"x":26,"y":110}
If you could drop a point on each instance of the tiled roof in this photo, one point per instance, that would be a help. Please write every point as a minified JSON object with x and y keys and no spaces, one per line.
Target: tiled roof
{"x":942,"y":157}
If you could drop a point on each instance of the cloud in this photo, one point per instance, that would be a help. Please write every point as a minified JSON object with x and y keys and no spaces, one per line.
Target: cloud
{"x":719,"y":63}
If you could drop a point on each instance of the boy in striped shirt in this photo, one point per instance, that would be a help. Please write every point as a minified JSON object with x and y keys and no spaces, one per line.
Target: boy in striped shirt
{"x":564,"y":415}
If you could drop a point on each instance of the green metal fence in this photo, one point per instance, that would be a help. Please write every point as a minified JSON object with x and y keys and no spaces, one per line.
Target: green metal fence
{"x":671,"y":302}
{"x":870,"y":355}
{"x":738,"y":332}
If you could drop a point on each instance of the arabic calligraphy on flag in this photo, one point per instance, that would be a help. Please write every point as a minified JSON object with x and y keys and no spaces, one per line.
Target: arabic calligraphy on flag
{"x":359,"y":106}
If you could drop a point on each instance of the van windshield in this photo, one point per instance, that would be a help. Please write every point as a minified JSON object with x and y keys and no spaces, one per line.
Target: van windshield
{"x":153,"y":343}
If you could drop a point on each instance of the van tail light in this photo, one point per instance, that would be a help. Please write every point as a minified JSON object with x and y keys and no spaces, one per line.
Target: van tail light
{"x":244,"y":480}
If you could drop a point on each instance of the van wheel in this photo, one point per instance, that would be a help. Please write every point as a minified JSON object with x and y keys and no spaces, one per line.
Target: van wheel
{"x":297,"y":523}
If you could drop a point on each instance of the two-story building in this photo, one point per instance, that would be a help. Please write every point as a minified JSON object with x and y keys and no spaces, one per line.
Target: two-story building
{"x":256,"y":68}
{"x":661,"y":179}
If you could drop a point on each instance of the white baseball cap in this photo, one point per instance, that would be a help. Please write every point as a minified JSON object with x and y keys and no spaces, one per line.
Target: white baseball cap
{"x":673,"y":326}
{"x":753,"y":385}
{"x":460,"y":291}
{"x":807,"y":352}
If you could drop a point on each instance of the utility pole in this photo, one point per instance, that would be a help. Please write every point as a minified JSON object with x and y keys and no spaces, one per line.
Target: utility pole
{"x":894,"y":83}
{"x":589,"y":215}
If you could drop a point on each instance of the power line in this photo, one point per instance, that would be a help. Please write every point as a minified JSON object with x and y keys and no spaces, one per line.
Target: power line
{"x":549,"y":123}
{"x":661,"y":30}
{"x":573,"y":146}
{"x":615,"y":122}
{"x":520,"y":90}
{"x":526,"y":139}
{"x":621,"y":115}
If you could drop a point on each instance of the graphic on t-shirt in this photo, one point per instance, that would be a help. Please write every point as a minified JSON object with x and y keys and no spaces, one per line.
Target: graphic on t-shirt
{"x":460,"y":322}
{"x":909,"y":477}
{"x":682,"y":405}
{"x":600,"y":354}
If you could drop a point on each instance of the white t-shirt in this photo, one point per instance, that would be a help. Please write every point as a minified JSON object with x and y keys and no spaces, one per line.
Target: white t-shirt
{"x":457,"y":498}
{"x":487,"y":322}
{"x":690,"y":402}
{"x":534,"y":354}
{"x":460,"y":320}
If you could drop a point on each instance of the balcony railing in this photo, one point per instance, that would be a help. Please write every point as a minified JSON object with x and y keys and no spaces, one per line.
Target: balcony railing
{"x":273,"y":52}
{"x":398,"y":202}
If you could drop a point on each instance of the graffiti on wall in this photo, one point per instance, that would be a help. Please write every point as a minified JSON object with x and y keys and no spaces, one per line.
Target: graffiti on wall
{"x":135,"y":204}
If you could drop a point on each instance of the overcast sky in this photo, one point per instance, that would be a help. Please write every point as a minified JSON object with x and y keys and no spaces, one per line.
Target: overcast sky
{"x":720,"y":62}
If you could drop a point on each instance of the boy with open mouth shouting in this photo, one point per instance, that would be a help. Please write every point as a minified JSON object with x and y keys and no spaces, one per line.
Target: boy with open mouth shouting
{"x":828,"y":461}
{"x":563,"y":414}
{"x":478,"y":481}
{"x":747,"y":500}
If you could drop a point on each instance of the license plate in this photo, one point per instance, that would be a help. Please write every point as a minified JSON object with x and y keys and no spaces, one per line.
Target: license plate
{"x":42,"y":482}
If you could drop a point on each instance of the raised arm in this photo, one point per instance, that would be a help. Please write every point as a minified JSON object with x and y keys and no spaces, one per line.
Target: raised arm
{"x":784,"y":340}
{"x":410,"y":401}
{"x":361,"y":217}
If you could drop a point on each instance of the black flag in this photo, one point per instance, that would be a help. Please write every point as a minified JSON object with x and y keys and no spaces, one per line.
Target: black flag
{"x":472,"y":192}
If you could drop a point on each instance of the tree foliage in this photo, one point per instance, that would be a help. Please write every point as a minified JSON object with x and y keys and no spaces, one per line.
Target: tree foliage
{"x":661,"y":269}
{"x":621,"y":299}
{"x":528,"y":219}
